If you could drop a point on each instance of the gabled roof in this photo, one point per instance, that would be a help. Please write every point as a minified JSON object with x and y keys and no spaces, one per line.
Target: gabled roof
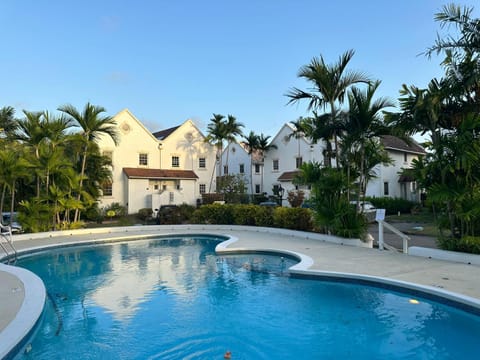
{"x":288,"y":175}
{"x":395,"y":143}
{"x":163,"y":134}
{"x":140,"y":173}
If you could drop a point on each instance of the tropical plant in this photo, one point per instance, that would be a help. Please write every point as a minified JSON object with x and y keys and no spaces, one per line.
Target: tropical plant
{"x":216,"y":134}
{"x":363,"y":126}
{"x":93,"y":125}
{"x":251,"y":144}
{"x":330,"y":85}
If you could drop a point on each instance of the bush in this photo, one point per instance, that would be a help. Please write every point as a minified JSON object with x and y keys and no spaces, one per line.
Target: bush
{"x":293,"y":218}
{"x":144,"y":214}
{"x":245,"y":214}
{"x":466,"y":244}
{"x":392,"y":205}
{"x":214,"y":214}
{"x":118,"y":209}
{"x":186,"y":212}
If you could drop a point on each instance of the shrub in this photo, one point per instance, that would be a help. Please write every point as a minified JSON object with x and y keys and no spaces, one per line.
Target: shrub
{"x":245,"y":214}
{"x":144,"y":214}
{"x":214,"y":214}
{"x":392,"y":205}
{"x":295,"y":198}
{"x":186,"y":212}
{"x":467,"y":244}
{"x":118,"y":209}
{"x":293,"y":218}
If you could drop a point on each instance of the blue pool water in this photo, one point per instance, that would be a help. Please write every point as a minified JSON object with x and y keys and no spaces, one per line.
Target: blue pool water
{"x":175,"y":299}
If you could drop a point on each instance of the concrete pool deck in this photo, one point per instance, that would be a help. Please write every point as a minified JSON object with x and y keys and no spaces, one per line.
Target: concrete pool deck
{"x":454,"y":280}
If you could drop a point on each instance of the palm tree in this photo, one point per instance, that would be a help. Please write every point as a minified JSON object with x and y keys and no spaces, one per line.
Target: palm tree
{"x":32,"y":133}
{"x":364,"y":125}
{"x":8,"y":124}
{"x":251,"y":143}
{"x":13,"y":166}
{"x":94,"y":125}
{"x":233,"y":128}
{"x":330,"y":84}
{"x":216,"y":135}
{"x":263,"y":146}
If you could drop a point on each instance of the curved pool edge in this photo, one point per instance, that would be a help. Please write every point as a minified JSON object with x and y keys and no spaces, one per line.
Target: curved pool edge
{"x":302,"y":269}
{"x":234,"y":244}
{"x":12,"y":337}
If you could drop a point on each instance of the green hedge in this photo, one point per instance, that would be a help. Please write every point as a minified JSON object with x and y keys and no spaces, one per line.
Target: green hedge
{"x":254,"y":215}
{"x":392,"y":205}
{"x":467,"y":244}
{"x":293,"y":218}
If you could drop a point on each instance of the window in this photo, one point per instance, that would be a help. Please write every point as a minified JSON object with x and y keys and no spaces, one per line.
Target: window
{"x":155,"y":187}
{"x":275,"y":165}
{"x":242,"y":169}
{"x":257,"y":188}
{"x":203,"y":188}
{"x":405,"y":157}
{"x":107,"y":189}
{"x":385,"y":188}
{"x":225,"y":169}
{"x":202,"y":163}
{"x":276,"y":189}
{"x":143,"y":159}
{"x":298,"y":162}
{"x":257,"y":168}
{"x":175,"y":161}
{"x":171,"y":197}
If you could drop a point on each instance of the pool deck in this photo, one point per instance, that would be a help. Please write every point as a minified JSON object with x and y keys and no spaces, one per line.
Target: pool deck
{"x":450,"y":279}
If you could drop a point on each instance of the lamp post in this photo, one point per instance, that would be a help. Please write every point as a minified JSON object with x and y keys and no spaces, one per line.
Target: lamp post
{"x":281,"y":192}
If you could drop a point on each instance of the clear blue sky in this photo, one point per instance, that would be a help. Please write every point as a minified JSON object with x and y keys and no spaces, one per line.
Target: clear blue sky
{"x":168,"y":61}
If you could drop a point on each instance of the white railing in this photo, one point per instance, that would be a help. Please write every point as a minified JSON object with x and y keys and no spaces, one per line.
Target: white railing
{"x":6,"y":242}
{"x":381,"y":242}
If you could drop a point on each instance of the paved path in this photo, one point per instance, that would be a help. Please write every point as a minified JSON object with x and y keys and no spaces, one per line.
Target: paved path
{"x":394,"y":240}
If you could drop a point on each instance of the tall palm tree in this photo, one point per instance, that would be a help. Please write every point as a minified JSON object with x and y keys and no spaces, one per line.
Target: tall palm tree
{"x":233,"y":128}
{"x":330,"y":85}
{"x":251,"y":143}
{"x":264,"y":146}
{"x":364,"y":125}
{"x":13,"y":166}
{"x":216,"y":134}
{"x":93,"y":125}
{"x":32,"y":133}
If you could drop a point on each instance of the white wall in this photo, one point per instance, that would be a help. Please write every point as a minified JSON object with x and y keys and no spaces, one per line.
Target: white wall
{"x":186,"y":142}
{"x":134,"y":139}
{"x":288,"y":149}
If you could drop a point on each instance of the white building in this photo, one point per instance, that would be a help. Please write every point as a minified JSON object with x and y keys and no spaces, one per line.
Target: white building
{"x":389,"y":182}
{"x":237,"y":161}
{"x":172,"y":166}
{"x":279,"y":166}
{"x":282,"y":163}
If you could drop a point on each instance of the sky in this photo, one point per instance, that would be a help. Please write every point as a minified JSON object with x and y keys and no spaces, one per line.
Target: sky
{"x":169,"y":61}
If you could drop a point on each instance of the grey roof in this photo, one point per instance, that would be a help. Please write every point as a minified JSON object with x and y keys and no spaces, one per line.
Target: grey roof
{"x":163,"y":134}
{"x":394,"y":143}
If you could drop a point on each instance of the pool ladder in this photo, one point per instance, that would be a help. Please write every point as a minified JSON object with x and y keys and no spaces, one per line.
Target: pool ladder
{"x":6,"y":243}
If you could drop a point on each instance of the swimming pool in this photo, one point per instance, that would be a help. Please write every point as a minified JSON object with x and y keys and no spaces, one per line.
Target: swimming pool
{"x":173,"y":298}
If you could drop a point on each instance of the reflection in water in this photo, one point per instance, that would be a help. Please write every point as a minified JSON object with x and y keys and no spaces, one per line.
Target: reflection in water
{"x":175,"y":299}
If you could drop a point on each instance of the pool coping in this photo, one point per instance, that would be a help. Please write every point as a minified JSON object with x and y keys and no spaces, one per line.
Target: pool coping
{"x":32,"y":306}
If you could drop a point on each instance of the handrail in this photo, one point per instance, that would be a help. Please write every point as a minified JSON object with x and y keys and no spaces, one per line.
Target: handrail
{"x":381,"y":243}
{"x":6,"y":233}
